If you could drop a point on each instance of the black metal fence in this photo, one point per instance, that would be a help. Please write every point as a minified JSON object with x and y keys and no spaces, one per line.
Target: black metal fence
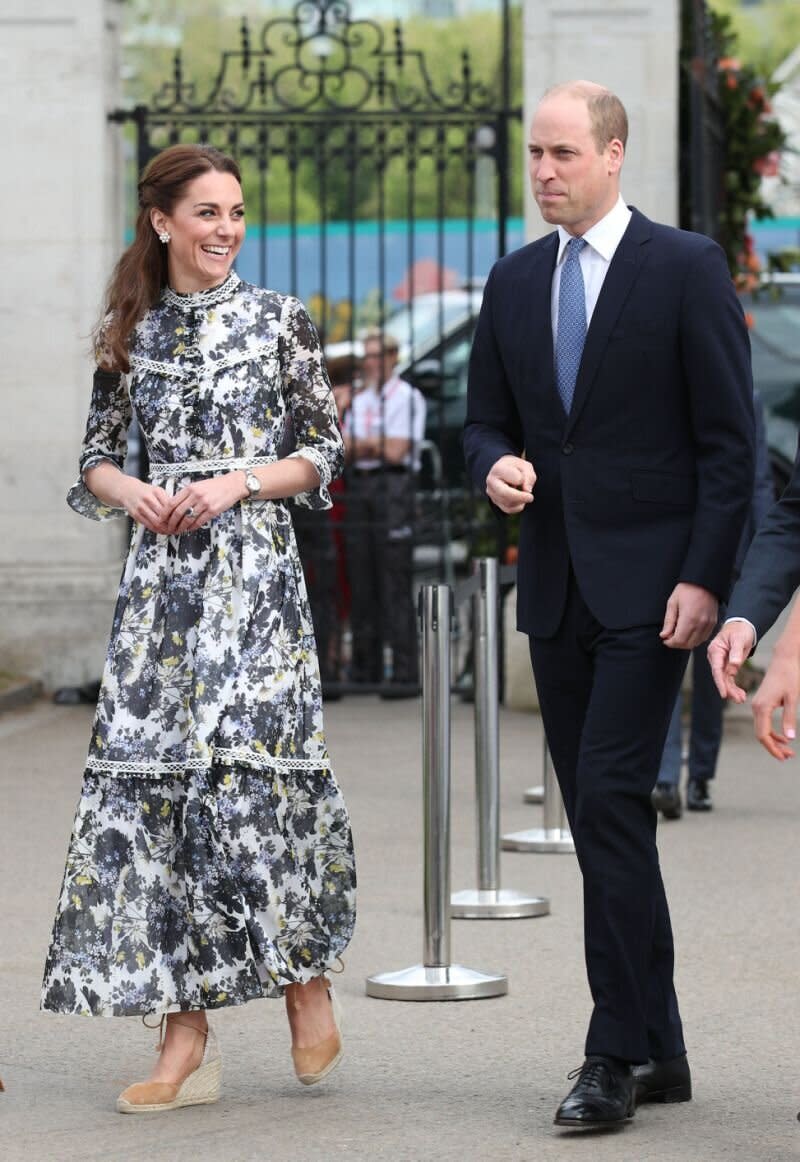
{"x":702,"y":158}
{"x":381,"y":199}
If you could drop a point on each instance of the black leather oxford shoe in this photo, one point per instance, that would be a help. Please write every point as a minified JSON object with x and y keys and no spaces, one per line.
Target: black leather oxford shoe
{"x":665,"y":1081}
{"x":601,"y":1097}
{"x":666,"y":798}
{"x":698,"y":796}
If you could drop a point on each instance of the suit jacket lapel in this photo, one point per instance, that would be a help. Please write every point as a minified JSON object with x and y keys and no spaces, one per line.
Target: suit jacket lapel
{"x":534,"y":305}
{"x":619,"y":280}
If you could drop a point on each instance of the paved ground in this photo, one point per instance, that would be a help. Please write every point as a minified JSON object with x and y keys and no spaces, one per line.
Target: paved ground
{"x":472,"y":1081}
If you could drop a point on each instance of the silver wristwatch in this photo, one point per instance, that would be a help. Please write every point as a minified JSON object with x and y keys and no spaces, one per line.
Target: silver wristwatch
{"x":253,"y":484}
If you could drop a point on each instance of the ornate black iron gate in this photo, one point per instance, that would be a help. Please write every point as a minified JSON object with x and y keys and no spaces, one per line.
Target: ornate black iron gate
{"x":341,"y":131}
{"x":366,"y":186}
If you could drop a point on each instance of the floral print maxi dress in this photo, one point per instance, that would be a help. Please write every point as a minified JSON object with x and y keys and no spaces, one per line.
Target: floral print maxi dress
{"x":211,"y":860}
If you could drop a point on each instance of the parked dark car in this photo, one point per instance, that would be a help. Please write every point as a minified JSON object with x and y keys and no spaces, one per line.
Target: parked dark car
{"x":773,"y":312}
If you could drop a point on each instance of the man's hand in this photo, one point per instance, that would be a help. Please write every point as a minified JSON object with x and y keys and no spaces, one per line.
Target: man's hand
{"x":690,"y":616}
{"x":726,"y":653}
{"x":778,"y":691}
{"x":510,"y":483}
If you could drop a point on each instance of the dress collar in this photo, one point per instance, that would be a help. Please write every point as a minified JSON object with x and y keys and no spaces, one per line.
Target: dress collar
{"x":202,"y":300}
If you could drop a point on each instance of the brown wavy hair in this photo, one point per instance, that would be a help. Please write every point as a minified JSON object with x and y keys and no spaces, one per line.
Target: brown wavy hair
{"x":141,"y":273}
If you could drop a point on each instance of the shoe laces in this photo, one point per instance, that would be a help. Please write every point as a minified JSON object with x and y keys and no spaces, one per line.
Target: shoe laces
{"x":597,"y":1074}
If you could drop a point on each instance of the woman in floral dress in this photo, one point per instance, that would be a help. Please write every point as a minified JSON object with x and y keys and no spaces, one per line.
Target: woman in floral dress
{"x":211,"y":860}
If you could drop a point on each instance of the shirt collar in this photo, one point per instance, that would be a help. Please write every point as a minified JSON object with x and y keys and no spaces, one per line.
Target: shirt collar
{"x":605,"y":236}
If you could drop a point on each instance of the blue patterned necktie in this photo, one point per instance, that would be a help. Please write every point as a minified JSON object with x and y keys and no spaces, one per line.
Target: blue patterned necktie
{"x":571,"y":332}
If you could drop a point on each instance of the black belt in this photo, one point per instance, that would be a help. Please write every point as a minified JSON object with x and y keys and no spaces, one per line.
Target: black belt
{"x":393,"y":468}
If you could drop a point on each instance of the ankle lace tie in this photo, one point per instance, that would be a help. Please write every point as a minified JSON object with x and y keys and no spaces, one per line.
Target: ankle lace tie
{"x":169,"y":1018}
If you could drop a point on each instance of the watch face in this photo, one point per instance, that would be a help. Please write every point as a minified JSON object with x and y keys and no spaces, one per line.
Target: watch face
{"x":253,"y":483}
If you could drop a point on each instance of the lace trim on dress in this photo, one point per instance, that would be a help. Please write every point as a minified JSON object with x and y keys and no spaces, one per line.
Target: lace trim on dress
{"x":218,"y":464}
{"x":319,"y":461}
{"x":247,"y":356}
{"x":170,"y":370}
{"x":201,"y":300}
{"x":221,"y":755}
{"x":234,"y":359}
{"x":250,"y":758}
{"x":319,"y":498}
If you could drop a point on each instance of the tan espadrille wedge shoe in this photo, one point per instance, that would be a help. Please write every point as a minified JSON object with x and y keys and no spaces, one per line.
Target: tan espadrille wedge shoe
{"x":312,"y":1065}
{"x":201,"y":1087}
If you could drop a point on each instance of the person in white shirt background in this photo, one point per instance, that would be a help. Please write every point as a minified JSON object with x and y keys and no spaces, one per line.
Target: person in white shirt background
{"x":383,"y":430}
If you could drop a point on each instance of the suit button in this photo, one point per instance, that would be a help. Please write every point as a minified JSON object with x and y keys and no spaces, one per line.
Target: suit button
{"x":567,"y":449}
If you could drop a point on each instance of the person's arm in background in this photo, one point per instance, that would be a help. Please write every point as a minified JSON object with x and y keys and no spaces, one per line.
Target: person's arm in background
{"x":770,"y":576}
{"x":764,"y":485}
{"x":781,"y":684}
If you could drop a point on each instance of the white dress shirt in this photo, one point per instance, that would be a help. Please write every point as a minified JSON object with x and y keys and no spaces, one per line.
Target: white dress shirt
{"x":396,"y":411}
{"x":602,"y":241}
{"x":746,"y":621}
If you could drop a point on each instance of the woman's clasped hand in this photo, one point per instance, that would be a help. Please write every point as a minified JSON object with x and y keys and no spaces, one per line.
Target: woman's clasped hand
{"x":194,"y":506}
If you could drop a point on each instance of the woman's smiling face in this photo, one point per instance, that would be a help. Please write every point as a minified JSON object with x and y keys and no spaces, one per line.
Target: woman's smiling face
{"x":206,"y":229}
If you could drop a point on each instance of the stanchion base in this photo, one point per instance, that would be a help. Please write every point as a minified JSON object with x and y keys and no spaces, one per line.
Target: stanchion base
{"x":539,"y":839}
{"x":422,"y":983}
{"x":534,"y":795}
{"x":501,"y":904}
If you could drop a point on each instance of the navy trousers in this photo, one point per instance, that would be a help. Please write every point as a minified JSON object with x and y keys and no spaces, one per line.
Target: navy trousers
{"x":606,"y":698}
{"x":705,"y":731}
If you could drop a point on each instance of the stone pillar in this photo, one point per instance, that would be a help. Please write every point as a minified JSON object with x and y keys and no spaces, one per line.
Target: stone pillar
{"x":60,"y":217}
{"x":632,"y":47}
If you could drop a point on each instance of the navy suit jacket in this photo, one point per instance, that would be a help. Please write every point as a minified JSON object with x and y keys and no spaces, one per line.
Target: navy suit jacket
{"x":647,"y":482}
{"x":771,"y":570}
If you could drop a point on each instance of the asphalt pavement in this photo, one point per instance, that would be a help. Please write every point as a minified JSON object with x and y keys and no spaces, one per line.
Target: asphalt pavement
{"x":472,"y":1081}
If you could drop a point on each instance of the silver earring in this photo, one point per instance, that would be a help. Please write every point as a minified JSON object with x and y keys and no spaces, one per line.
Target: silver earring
{"x":163,"y":235}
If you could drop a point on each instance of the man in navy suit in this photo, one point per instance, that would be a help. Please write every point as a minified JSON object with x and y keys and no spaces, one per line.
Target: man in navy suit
{"x":610,"y":403}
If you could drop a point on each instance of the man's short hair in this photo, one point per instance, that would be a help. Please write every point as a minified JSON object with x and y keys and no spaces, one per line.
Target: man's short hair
{"x":607,"y":114}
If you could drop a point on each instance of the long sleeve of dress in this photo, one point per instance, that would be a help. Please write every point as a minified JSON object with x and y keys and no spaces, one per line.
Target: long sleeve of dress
{"x":310,"y":401}
{"x":106,"y":439}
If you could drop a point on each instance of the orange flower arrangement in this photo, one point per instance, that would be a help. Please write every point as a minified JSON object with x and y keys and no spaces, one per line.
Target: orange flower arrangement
{"x":753,"y":141}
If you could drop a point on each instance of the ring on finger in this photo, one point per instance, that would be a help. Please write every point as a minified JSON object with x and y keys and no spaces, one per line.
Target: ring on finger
{"x":188,"y":513}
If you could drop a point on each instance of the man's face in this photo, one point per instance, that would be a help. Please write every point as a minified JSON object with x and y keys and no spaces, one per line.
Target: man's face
{"x":574,"y":185}
{"x":378,"y":362}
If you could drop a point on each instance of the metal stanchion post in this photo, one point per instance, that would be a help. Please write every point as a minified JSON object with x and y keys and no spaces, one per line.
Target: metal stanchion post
{"x":436,"y":979}
{"x":555,"y":835}
{"x":489,"y":902}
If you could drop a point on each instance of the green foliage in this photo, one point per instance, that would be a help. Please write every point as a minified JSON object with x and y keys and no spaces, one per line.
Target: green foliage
{"x":752,"y":141}
{"x":766,"y":33}
{"x":785,"y":261}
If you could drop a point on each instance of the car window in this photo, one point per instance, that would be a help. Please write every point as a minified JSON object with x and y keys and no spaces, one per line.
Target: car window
{"x":431,"y":316}
{"x":776,"y":322}
{"x":775,"y":345}
{"x":775,"y":342}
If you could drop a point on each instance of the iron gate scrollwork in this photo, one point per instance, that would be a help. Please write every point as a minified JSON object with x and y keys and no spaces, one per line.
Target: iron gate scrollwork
{"x":366,"y":184}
